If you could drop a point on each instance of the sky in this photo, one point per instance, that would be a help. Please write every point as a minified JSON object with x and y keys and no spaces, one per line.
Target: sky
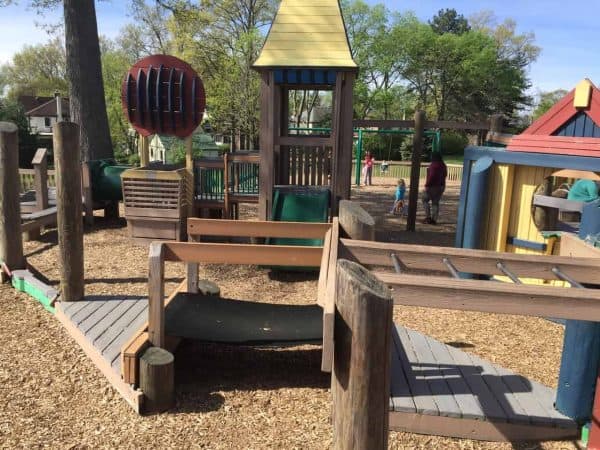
{"x":567,"y":33}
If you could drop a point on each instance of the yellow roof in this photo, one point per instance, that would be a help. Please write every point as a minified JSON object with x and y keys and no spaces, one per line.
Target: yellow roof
{"x":307,"y":33}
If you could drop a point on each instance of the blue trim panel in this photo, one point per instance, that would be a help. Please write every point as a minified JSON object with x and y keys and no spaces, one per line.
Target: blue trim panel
{"x":580,"y":125}
{"x":503,"y":156}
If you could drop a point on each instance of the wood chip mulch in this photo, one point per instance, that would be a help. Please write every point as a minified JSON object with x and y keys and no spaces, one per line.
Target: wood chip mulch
{"x":52,"y":396}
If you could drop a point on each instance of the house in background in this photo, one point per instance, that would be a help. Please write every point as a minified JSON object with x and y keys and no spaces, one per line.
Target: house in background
{"x":44,"y":112}
{"x":165,"y":148}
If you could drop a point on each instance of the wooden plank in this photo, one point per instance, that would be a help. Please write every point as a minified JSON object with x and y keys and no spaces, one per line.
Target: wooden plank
{"x":478,"y":429}
{"x":329,"y":308}
{"x":420,"y":390}
{"x":434,"y":377}
{"x":559,"y":203}
{"x":489,"y":405}
{"x":421,"y":257}
{"x":323,"y":271}
{"x":210,"y":253}
{"x":134,"y":398}
{"x":85,"y":312}
{"x":239,"y":228}
{"x":137,"y":317}
{"x":494,"y":297}
{"x":105,"y":323}
{"x":573,"y":246}
{"x":119,"y":326}
{"x":515,"y":412}
{"x":75,"y":307}
{"x":466,"y":400}
{"x":401,"y":397}
{"x":304,"y":141}
{"x":106,"y":308}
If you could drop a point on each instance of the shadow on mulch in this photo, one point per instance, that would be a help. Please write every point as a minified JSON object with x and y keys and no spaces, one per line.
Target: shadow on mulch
{"x":293,"y":276}
{"x":203,"y":370}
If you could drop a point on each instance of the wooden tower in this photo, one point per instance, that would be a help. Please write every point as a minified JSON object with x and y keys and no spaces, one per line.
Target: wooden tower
{"x":306,"y":48}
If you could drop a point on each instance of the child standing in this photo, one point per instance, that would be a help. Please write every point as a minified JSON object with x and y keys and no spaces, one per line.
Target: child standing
{"x":368,"y":168}
{"x":398,"y":207}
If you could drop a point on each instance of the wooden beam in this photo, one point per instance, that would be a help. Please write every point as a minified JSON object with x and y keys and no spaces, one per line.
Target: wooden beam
{"x":355,"y":222}
{"x":40,"y":166}
{"x":423,"y":257}
{"x":329,"y":306}
{"x":407,"y":124}
{"x":144,"y":150}
{"x":218,"y":227}
{"x":210,"y":253}
{"x":493,"y":297}
{"x":305,"y":141}
{"x":69,"y":210}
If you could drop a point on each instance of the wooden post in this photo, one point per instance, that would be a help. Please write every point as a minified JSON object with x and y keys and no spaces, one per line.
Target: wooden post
{"x":362,"y":359}
{"x":267,"y":144}
{"x":356,"y":222}
{"x":496,"y":123}
{"x":144,"y":150}
{"x":189,"y":169}
{"x":415,"y":170}
{"x":11,"y":244}
{"x":156,"y":295}
{"x":157,"y":379}
{"x":40,"y":167}
{"x":69,"y":210}
{"x":88,"y":201}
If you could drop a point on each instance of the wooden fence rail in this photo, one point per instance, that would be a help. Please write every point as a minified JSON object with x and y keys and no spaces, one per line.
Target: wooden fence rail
{"x":401,"y":169}
{"x":27,"y":179}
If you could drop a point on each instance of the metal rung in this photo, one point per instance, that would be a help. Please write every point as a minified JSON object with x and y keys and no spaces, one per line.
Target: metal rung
{"x":515,"y":279}
{"x":564,"y":277}
{"x":397,"y":263}
{"x":451,"y":268}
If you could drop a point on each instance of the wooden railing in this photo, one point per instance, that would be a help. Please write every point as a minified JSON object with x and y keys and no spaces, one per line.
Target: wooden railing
{"x":27,"y":179}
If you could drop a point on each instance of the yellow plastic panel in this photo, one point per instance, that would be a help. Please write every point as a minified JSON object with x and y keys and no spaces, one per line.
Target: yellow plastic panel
{"x":583,"y":94}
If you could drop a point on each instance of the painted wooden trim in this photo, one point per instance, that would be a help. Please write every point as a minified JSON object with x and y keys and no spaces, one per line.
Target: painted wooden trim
{"x":493,"y":297}
{"x":562,"y":111}
{"x":477,"y":429}
{"x":504,"y":213}
{"x":133,"y":397}
{"x":524,"y":243}
{"x":532,"y":159}
{"x":219,"y":227}
{"x":422,"y":257}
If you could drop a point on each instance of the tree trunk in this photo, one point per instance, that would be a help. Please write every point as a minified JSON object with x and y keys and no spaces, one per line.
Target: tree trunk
{"x":84,"y":71}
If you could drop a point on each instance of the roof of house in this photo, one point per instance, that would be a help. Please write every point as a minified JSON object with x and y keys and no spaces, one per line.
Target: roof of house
{"x":308,"y":33}
{"x":48,"y":109}
{"x":570,"y":127}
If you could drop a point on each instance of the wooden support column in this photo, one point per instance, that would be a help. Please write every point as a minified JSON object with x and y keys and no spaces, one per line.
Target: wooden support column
{"x":189,"y":169}
{"x":144,"y":150}
{"x":496,"y":123}
{"x":341,"y":177}
{"x":362,"y":358}
{"x":356,"y":222}
{"x":11,"y":244}
{"x":69,"y":210}
{"x":156,"y":295}
{"x":267,"y":144}
{"x":415,"y":170}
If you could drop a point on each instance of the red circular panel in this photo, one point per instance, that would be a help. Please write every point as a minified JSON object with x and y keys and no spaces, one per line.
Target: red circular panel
{"x":162,"y":94}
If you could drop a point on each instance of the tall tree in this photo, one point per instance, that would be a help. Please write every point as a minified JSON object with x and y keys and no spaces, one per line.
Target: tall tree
{"x":84,"y":70}
{"x":449,"y":21}
{"x":37,"y":70}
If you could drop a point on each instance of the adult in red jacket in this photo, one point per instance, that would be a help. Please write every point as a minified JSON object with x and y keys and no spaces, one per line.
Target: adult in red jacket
{"x":435,"y":184}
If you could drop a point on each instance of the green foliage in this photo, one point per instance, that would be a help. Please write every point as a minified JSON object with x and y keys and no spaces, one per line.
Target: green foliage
{"x":11,"y":111}
{"x":453,"y":143}
{"x":36,"y":70}
{"x":449,"y":21}
{"x":547,"y":100}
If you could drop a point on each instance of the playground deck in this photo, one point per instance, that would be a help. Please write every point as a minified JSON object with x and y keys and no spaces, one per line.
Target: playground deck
{"x":433,"y":385}
{"x":438,"y":387}
{"x":101,"y":325}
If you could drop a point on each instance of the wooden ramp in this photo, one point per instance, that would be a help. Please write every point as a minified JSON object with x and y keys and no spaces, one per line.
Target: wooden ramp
{"x":438,"y":389}
{"x":101,"y":326}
